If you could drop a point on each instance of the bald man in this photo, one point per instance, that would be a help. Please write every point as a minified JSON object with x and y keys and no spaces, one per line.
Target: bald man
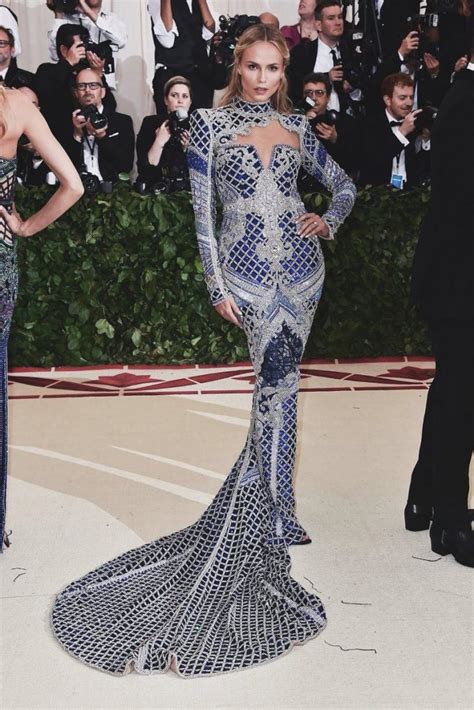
{"x":266,"y":18}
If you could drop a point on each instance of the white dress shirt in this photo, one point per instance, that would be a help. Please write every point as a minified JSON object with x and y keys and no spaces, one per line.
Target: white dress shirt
{"x":108,"y":26}
{"x":90,"y":151}
{"x":399,"y":164}
{"x":166,"y":38}
{"x":324,"y":63}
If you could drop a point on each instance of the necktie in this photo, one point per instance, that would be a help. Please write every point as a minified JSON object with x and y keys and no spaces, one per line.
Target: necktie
{"x":335,"y":59}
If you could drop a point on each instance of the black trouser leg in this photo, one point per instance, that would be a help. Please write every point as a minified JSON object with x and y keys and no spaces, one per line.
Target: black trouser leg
{"x":452,"y":412}
{"x":421,"y":485}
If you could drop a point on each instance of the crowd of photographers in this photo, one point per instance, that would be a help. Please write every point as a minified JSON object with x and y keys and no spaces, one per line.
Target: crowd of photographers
{"x":369,"y":75}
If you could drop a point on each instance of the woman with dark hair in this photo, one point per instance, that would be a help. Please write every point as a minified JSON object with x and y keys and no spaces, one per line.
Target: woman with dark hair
{"x":159,"y":156}
{"x":218,"y":596}
{"x":18,"y":116}
{"x":305,"y":28}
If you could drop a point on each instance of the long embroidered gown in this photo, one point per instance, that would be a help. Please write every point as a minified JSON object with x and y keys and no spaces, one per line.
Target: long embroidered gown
{"x":218,"y":596}
{"x":8,"y":290}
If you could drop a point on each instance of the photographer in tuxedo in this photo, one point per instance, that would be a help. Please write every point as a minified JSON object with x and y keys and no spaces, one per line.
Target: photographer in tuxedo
{"x":103,"y":141}
{"x":181,"y":29}
{"x":443,"y":289}
{"x":330,"y":54}
{"x":388,"y":140}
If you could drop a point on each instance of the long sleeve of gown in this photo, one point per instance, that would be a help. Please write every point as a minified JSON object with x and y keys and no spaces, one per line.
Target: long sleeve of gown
{"x":318,"y":163}
{"x":201,"y":173}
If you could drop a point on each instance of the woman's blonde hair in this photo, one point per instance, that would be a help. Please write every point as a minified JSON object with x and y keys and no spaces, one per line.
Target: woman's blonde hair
{"x":3,"y":120}
{"x":259,"y":33}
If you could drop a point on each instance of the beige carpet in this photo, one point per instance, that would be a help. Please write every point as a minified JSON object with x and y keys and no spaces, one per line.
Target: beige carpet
{"x":104,"y":460}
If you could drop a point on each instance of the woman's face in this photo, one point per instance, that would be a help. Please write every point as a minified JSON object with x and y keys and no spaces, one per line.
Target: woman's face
{"x":261,"y":69}
{"x":306,"y":7}
{"x":178,"y":97}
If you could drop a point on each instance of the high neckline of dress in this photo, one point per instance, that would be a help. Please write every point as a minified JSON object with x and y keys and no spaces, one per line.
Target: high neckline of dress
{"x":253,"y":107}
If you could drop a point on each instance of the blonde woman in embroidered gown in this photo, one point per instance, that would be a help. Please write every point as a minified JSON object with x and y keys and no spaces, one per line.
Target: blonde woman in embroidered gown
{"x":218,"y":596}
{"x":18,"y":115}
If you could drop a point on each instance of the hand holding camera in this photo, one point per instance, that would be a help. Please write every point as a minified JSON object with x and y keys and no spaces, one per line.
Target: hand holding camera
{"x":89,"y":119}
{"x":409,"y":124}
{"x":409,"y":44}
{"x":336,"y":74}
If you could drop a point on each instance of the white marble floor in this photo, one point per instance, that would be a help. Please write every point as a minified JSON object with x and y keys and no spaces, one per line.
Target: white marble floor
{"x":93,"y":475}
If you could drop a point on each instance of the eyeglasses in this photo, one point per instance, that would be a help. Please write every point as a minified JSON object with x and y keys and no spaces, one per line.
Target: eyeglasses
{"x":5,"y":43}
{"x":83,"y":85}
{"x":315,"y":92}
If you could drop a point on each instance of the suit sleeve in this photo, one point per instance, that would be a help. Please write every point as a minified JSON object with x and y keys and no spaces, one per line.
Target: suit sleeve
{"x":201,"y":174}
{"x":317,"y":162}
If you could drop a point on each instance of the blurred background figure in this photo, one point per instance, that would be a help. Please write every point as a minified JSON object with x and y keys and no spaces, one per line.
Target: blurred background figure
{"x":305,"y":28}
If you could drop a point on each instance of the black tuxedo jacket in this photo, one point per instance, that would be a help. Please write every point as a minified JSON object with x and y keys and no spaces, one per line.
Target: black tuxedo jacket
{"x":16,"y":77}
{"x":380,"y":147}
{"x":116,"y":150}
{"x":54,"y":82}
{"x":189,"y":50}
{"x":443,"y":269}
{"x":393,"y":23}
{"x":302,"y":60}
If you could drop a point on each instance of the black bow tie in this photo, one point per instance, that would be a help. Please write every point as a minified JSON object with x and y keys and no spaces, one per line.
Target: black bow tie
{"x":395,"y":123}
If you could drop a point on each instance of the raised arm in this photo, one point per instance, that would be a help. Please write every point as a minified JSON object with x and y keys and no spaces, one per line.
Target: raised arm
{"x":70,"y":187}
{"x":201,"y":173}
{"x":317,"y":162}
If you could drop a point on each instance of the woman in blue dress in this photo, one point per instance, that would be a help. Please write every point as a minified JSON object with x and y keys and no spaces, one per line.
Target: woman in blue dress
{"x":18,"y":115}
{"x":218,"y":596}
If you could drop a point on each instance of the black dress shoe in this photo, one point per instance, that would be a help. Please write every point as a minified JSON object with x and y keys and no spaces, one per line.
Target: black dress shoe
{"x":417,"y":516}
{"x":456,"y":542}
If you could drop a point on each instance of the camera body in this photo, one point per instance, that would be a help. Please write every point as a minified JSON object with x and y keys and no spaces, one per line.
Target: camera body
{"x":92,"y":114}
{"x":231,"y":28}
{"x":178,"y":123}
{"x":426,"y":119}
{"x":329,"y":117}
{"x":103,"y":51}
{"x":92,"y":184}
{"x":69,"y":7}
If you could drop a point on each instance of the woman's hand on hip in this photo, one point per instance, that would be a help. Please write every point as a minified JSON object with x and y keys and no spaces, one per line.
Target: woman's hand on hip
{"x":311,"y":224}
{"x":229,"y":310}
{"x":14,"y":221}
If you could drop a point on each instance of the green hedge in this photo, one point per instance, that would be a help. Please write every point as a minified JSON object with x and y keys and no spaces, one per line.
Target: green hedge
{"x":118,"y":280}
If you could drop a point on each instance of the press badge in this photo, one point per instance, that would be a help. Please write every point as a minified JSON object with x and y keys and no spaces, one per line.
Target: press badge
{"x":397,"y":181}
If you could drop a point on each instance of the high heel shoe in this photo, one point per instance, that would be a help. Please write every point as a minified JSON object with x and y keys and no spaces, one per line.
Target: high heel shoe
{"x":456,"y":542}
{"x":417,"y":516}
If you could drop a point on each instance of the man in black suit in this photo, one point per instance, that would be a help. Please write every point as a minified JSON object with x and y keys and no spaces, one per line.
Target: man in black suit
{"x":443,"y":288}
{"x":103,"y":151}
{"x":180,"y":31}
{"x":388,"y":149}
{"x":341,"y":135}
{"x":10,"y":74}
{"x":326,"y":54}
{"x":54,"y":81}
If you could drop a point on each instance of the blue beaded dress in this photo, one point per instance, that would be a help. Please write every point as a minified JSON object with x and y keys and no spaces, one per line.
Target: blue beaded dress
{"x":8,"y":291}
{"x":218,"y":595}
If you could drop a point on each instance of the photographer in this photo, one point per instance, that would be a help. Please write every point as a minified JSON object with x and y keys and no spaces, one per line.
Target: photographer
{"x":103,"y":142}
{"x":10,"y":74}
{"x":329,"y":53}
{"x":162,"y":142}
{"x":389,"y":153}
{"x":9,"y":20}
{"x":54,"y":81}
{"x":338,"y":132}
{"x":418,"y":56}
{"x":221,"y":56}
{"x":181,"y":29}
{"x":105,"y":29}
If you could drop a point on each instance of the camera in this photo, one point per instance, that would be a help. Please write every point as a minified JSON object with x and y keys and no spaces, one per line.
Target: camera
{"x":328,"y":117}
{"x":426,"y":118}
{"x":69,"y":7}
{"x":92,"y":184}
{"x":92,"y":114}
{"x":230,"y":29}
{"x":426,"y":26}
{"x":178,"y":123}
{"x":103,"y":51}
